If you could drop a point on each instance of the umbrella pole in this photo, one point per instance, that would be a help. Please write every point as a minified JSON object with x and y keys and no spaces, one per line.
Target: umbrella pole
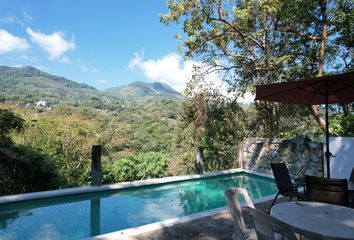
{"x":327,"y":153}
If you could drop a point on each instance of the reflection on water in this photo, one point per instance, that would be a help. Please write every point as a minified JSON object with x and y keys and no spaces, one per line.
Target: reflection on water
{"x":85,"y":215}
{"x":95,"y":213}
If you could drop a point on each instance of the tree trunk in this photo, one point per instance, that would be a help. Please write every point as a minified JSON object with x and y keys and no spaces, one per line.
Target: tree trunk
{"x":314,"y":109}
{"x":320,"y":120}
{"x":345,"y":108}
{"x":199,"y":168}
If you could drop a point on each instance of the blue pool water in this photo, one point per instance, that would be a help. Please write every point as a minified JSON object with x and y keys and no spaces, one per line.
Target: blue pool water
{"x":84,"y":215}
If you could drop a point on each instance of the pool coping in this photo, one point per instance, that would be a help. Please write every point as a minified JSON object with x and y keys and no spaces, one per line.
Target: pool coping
{"x":126,"y":233}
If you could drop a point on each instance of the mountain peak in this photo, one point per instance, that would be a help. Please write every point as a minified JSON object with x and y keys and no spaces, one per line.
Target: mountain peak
{"x":141,"y":89}
{"x":32,"y":84}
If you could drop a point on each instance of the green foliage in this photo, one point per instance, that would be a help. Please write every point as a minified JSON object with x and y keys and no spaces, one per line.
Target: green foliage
{"x":21,"y":169}
{"x":67,"y":141}
{"x":258,"y":42}
{"x":137,"y":167}
{"x":65,"y":135}
{"x":342,"y":125}
{"x":24,"y":170}
{"x":9,"y":121}
{"x":264,"y":41}
{"x":283,"y":120}
{"x":215,"y":123}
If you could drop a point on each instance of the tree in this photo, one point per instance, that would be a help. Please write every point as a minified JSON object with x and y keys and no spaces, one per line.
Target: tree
{"x":8,"y":122}
{"x":215,"y":122}
{"x":21,"y":169}
{"x":257,"y":42}
{"x":136,"y":167}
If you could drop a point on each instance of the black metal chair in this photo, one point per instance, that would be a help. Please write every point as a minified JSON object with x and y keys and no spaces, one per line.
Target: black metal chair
{"x":351,"y":191}
{"x":284,"y":183}
{"x":327,"y":190}
{"x":351,"y":178}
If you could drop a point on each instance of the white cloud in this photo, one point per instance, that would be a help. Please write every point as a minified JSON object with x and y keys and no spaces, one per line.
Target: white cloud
{"x":9,"y":42}
{"x":169,"y":69}
{"x":54,"y":44}
{"x":12,"y":19}
{"x":85,"y":68}
{"x":102,"y":81}
{"x":27,"y":15}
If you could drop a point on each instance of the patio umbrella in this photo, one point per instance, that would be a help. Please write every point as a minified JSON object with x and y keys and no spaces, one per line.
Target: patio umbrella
{"x":313,"y":91}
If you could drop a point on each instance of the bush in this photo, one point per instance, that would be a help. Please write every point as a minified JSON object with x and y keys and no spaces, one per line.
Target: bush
{"x":136,"y":167}
{"x":25,"y":170}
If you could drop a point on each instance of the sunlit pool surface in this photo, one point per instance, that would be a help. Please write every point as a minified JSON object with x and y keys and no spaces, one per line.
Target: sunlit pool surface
{"x":85,"y":215}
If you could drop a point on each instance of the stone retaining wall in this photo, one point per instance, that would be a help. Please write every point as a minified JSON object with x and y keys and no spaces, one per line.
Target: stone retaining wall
{"x":301,"y":155}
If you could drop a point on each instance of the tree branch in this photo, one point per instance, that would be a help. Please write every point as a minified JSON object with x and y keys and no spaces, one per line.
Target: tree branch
{"x":292,"y":31}
{"x":223,"y":20}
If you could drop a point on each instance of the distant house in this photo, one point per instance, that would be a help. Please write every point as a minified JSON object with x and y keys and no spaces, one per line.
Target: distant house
{"x":43,"y":105}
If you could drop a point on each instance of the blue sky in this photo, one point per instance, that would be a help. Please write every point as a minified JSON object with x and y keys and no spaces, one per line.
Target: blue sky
{"x":101,"y":43}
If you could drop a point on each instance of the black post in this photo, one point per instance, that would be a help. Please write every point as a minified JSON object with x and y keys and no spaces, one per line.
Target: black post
{"x":96,"y":170}
{"x":199,"y":168}
{"x":327,"y":153}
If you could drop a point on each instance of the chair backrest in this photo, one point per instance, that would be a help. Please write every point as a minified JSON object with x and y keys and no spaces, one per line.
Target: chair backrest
{"x":327,"y":190}
{"x":232,"y":196}
{"x":351,"y":179}
{"x":282,"y":177}
{"x":266,"y":226}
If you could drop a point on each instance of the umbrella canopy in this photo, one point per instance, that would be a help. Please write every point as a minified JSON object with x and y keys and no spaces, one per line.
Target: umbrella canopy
{"x":313,"y":91}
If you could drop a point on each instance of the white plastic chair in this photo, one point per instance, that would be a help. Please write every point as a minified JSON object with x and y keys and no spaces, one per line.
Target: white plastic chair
{"x":240,"y":230}
{"x":269,"y":228}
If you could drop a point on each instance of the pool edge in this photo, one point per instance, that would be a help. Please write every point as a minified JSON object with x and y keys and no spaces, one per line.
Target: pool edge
{"x":116,"y":186}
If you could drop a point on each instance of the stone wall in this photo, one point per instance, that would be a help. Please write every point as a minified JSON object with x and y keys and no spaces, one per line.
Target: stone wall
{"x":301,"y":155}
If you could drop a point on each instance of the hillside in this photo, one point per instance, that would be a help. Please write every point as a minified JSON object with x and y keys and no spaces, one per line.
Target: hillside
{"x":141,"y":89}
{"x":29,"y":84}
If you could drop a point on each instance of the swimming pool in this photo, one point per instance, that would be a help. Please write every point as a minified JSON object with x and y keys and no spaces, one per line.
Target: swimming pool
{"x":90,"y":214}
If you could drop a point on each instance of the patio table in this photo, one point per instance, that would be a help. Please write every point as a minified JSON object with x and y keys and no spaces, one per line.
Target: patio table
{"x":317,"y":220}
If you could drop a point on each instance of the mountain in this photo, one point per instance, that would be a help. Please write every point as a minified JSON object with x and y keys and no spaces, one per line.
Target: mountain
{"x":30,"y":85}
{"x":141,"y":89}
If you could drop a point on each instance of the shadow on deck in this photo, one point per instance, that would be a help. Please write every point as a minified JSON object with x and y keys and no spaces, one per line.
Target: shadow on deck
{"x":219,"y":226}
